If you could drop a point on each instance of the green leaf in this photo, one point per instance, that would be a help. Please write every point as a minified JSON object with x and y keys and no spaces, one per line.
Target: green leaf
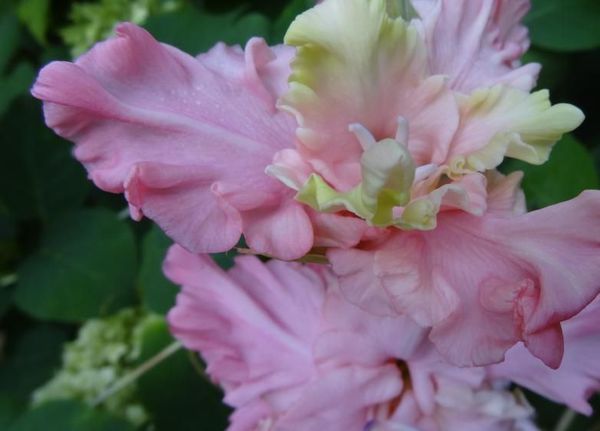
{"x":31,"y":362}
{"x":15,"y":84}
{"x":283,"y":21}
{"x":194,"y":31}
{"x":9,"y":255}
{"x":9,"y":410}
{"x":19,"y":79}
{"x":158,"y":293}
{"x":9,"y":35}
{"x":85,"y":267}
{"x":68,"y":416}
{"x":224,"y":260}
{"x":569,"y":171}
{"x":6,"y":298}
{"x":565,"y":25}
{"x":34,"y":13}
{"x":9,"y":248}
{"x":554,"y":67}
{"x":176,"y":396}
{"x":588,"y":423}
{"x":38,"y":175}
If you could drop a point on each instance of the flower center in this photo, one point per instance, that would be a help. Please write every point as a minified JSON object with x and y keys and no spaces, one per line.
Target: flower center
{"x":386,"y":195}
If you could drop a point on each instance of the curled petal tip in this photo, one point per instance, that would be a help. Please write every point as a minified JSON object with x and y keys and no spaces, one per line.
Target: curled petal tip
{"x":364,"y":136}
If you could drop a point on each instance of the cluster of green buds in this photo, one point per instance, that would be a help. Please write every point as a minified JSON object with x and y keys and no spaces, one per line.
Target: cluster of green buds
{"x":104,"y":351}
{"x":92,"y":22}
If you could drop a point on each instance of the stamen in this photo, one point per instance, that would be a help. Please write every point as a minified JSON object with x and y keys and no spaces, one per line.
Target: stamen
{"x":402,"y":131}
{"x":423,"y":172}
{"x":365,"y":138}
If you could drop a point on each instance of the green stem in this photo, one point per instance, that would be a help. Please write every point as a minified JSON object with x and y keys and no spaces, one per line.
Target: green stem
{"x":8,"y":279}
{"x":566,"y":420}
{"x":123,"y":214}
{"x":136,"y":373}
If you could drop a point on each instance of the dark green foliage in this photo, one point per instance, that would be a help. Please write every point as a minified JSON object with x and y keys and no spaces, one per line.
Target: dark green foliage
{"x":9,"y":410}
{"x":194,"y":31}
{"x":565,"y":25}
{"x":283,"y":21}
{"x":38,"y":175}
{"x":34,"y":356}
{"x":569,"y":171}
{"x":16,"y":77}
{"x":158,"y":293}
{"x":85,"y":267}
{"x":176,"y":394}
{"x":68,"y":416}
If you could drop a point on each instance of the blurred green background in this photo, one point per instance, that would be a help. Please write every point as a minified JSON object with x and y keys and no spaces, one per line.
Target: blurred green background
{"x":82,"y":297}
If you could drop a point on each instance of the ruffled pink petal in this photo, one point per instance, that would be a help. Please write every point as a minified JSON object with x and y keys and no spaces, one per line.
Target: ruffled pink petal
{"x":350,"y":335}
{"x":336,"y":230}
{"x":478,"y":43}
{"x":257,"y":327}
{"x":444,"y":397}
{"x":563,"y":243}
{"x":340,"y":400}
{"x":468,"y":193}
{"x":247,"y":417}
{"x":427,"y":367}
{"x":578,"y":376}
{"x":484,"y":283}
{"x":432,"y":116}
{"x":285,"y":232}
{"x":527,"y":274}
{"x":504,"y":193}
{"x":186,"y":139}
{"x":395,"y":277}
{"x":253,"y":332}
{"x":270,"y":64}
{"x":154,"y":189}
{"x":462,"y":408}
{"x":359,"y":282}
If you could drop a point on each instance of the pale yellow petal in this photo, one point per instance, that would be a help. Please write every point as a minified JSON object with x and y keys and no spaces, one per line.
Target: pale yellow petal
{"x":354,"y":64}
{"x":503,"y":122}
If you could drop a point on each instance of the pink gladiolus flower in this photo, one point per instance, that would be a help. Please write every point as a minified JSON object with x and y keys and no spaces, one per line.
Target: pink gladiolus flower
{"x":269,"y":336}
{"x":292,"y":354}
{"x":399,"y":120}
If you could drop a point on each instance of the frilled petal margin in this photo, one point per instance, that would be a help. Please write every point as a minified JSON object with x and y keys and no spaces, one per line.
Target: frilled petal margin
{"x":578,"y":376}
{"x":249,"y":326}
{"x":485,"y":283}
{"x":186,"y":139}
{"x":478,"y":43}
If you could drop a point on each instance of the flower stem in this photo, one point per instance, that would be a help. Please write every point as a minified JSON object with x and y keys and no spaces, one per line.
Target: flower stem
{"x":8,"y":279}
{"x":566,"y":420}
{"x":136,"y":373}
